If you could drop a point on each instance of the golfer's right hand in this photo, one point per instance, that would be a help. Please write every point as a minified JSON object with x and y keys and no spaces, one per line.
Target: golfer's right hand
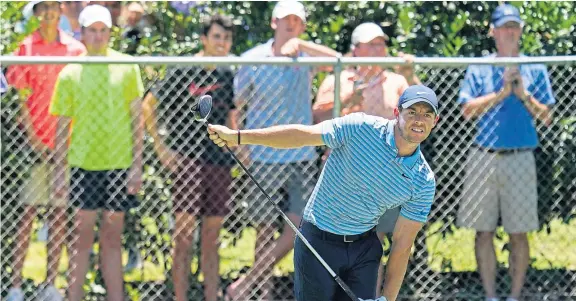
{"x":222,"y":135}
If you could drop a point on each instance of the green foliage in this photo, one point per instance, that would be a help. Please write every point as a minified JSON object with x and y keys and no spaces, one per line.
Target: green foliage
{"x":422,"y":28}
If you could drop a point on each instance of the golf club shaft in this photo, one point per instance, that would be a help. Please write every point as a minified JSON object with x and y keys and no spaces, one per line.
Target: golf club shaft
{"x":343,"y":285}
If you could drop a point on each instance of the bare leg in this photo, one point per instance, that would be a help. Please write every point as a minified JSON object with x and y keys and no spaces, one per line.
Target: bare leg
{"x":185,"y":225}
{"x":270,"y":255}
{"x":486,"y":260}
{"x":209,"y":256}
{"x":56,"y":239}
{"x":80,"y":252}
{"x":519,"y":262}
{"x":22,"y":242}
{"x":111,"y":254}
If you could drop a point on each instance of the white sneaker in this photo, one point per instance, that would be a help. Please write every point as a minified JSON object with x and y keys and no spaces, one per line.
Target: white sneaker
{"x":49,"y":293}
{"x":15,"y":294}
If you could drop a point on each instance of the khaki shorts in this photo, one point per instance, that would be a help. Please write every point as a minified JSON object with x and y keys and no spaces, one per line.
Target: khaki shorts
{"x":37,"y":189}
{"x":499,"y":186}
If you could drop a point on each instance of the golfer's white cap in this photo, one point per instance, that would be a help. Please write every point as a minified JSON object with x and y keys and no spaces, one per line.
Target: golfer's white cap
{"x":95,"y":13}
{"x":367,"y":32}
{"x":289,"y":7}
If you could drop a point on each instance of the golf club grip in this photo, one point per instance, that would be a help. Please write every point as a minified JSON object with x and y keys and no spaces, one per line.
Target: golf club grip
{"x":343,"y":285}
{"x":346,"y":288}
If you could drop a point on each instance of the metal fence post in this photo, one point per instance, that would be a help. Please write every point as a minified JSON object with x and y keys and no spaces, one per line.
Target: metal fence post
{"x":337,"y":72}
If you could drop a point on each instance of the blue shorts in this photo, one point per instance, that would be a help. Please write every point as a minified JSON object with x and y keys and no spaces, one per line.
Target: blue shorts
{"x":356,"y":263}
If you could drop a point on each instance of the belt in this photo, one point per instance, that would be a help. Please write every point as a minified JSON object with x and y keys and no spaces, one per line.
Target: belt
{"x":336,"y":237}
{"x":502,"y":151}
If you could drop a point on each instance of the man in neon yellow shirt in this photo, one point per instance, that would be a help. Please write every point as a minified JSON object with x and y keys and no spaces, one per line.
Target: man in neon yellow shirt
{"x":104,"y":152}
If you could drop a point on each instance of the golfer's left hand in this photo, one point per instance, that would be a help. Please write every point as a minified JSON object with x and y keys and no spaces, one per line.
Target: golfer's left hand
{"x":222,"y":135}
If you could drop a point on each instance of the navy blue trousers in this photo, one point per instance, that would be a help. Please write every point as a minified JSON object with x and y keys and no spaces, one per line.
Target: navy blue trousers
{"x":355,"y":263}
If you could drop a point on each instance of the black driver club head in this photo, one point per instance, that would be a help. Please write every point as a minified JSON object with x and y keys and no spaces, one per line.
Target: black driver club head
{"x":202,"y":108}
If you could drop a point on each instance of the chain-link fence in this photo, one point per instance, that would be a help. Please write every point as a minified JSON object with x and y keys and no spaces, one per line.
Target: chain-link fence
{"x":194,"y":195}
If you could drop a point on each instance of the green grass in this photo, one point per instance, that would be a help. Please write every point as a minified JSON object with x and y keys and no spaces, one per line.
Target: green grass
{"x":548,"y":250}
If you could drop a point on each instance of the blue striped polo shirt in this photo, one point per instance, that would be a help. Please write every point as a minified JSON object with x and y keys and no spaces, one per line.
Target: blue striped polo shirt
{"x":364,"y":176}
{"x":275,"y":95}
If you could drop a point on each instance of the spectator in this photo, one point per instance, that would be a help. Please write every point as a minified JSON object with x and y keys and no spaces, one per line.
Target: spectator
{"x":115,"y":8}
{"x":277,"y":95}
{"x":201,"y":170}
{"x":35,"y":84}
{"x":103,"y":102}
{"x":135,"y":14}
{"x":132,"y":29}
{"x":500,"y":171}
{"x":370,"y":89}
{"x":70,"y":12}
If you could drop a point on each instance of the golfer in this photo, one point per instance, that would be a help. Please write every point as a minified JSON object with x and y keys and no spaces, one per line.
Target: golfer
{"x":375,"y":165}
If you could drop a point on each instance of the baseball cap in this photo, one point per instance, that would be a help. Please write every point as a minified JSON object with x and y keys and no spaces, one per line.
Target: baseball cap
{"x":367,"y":32}
{"x":506,"y":13}
{"x":289,"y":7}
{"x":28,"y":9}
{"x":418,"y":93}
{"x":95,"y":13}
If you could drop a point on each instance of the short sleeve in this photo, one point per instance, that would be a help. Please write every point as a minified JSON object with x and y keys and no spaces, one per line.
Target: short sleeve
{"x":243,"y":83}
{"x":338,"y":131}
{"x":470,"y":86}
{"x":18,"y":76}
{"x":418,"y":208}
{"x":135,"y":88}
{"x":542,"y":89}
{"x":62,"y":103}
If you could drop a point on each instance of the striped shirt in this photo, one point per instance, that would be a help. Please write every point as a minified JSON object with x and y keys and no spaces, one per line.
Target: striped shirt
{"x":275,"y":95}
{"x":364,"y":176}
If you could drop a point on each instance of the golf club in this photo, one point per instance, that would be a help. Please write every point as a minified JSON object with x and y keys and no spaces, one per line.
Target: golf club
{"x":201,"y":113}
